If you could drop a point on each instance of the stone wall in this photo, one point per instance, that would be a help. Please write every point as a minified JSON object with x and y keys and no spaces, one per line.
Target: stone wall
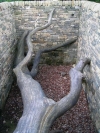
{"x":89,"y":46}
{"x":7,"y":47}
{"x":65,"y":24}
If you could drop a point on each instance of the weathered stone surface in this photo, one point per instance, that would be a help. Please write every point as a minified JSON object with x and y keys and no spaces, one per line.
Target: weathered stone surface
{"x":7,"y":49}
{"x":65,"y":24}
{"x":88,"y":46}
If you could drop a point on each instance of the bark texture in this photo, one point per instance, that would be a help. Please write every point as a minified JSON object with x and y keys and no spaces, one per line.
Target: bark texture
{"x":39,"y":111}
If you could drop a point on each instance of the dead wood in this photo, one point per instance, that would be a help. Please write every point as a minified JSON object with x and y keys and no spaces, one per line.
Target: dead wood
{"x":39,"y":112}
{"x":45,"y":50}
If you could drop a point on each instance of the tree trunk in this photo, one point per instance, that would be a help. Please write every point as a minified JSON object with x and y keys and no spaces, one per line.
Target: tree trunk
{"x":39,"y":111}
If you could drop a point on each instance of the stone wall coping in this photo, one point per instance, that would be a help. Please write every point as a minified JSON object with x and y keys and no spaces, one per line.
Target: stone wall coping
{"x":5,"y":5}
{"x":95,"y":7}
{"x":46,"y":3}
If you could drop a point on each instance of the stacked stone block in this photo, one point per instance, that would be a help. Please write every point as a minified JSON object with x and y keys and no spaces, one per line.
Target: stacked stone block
{"x":89,"y":46}
{"x":7,"y":48}
{"x":65,"y":24}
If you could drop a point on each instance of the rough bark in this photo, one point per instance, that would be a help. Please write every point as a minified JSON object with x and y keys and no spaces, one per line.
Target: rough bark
{"x":20,"y":51}
{"x":39,"y":112}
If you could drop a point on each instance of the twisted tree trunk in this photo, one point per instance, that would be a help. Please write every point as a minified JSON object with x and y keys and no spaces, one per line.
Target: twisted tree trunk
{"x":39,"y":111}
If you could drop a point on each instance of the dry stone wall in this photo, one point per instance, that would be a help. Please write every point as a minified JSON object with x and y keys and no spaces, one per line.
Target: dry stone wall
{"x":89,"y":46}
{"x":65,"y":24}
{"x":7,"y":48}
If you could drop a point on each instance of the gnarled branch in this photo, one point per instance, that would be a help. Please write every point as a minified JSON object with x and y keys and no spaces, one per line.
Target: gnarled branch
{"x":38,"y":54}
{"x":28,"y":57}
{"x":39,"y":111}
{"x":67,"y":102}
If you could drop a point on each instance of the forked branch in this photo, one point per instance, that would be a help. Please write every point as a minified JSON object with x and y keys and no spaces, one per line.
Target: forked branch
{"x":39,"y":111}
{"x":28,"y":57}
{"x":67,"y":102}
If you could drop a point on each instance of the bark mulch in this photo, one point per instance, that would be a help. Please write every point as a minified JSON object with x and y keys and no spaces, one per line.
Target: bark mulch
{"x":55,"y":82}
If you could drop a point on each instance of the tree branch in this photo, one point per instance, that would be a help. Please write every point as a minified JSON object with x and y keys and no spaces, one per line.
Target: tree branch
{"x":28,"y":57}
{"x":20,"y":48}
{"x":38,"y":55}
{"x":76,"y":85}
{"x":59,"y":108}
{"x":20,"y":51}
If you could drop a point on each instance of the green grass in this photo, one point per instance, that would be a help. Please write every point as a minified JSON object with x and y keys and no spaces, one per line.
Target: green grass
{"x":95,"y":1}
